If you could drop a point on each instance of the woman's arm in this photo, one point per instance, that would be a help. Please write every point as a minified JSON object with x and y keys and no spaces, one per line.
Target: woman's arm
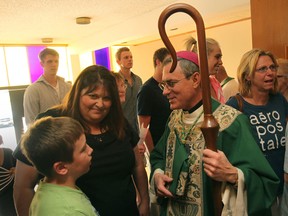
{"x":25,"y":180}
{"x":141,"y":181}
{"x":145,"y":121}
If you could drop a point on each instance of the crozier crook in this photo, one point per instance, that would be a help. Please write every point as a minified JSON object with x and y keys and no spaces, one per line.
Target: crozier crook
{"x":210,"y":126}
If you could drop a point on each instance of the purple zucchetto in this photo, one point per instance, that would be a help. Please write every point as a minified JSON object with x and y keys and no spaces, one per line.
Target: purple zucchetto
{"x":188,"y":55}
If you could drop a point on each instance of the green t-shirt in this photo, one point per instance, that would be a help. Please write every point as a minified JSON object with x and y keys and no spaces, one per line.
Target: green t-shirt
{"x":54,"y":200}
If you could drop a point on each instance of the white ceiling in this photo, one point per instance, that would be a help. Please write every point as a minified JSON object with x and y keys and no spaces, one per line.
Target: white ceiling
{"x":112,"y":21}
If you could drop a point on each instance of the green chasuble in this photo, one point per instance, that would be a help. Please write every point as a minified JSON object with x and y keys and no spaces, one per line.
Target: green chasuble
{"x":179,"y":154}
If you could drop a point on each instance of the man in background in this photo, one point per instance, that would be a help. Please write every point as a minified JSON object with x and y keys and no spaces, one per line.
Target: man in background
{"x":124,"y":59}
{"x":152,"y":106}
{"x":48,"y":90}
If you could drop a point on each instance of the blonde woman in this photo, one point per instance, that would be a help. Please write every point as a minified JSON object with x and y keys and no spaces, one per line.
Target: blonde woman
{"x":266,"y":109}
{"x":214,"y":61}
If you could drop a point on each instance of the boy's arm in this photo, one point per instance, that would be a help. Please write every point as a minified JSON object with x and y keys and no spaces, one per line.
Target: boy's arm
{"x":25,"y":180}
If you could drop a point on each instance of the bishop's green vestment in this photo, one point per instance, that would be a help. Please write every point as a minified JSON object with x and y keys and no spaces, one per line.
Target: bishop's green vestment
{"x":179,"y":154}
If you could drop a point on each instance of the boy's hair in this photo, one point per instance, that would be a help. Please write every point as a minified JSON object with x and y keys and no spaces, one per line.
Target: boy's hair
{"x":119,"y":51}
{"x":47,"y":51}
{"x":50,"y":140}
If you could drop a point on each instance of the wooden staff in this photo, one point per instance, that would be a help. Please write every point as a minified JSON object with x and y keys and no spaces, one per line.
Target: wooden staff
{"x":209,"y":126}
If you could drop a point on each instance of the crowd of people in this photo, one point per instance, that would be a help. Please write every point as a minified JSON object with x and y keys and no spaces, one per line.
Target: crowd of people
{"x":182,"y":168}
{"x":82,"y":153}
{"x":116,"y":164}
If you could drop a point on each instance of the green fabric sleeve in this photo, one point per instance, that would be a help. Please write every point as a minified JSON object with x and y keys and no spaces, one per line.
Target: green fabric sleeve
{"x":243,"y":152}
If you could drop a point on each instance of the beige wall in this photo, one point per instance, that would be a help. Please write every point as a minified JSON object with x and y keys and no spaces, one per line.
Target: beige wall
{"x":235,"y":39}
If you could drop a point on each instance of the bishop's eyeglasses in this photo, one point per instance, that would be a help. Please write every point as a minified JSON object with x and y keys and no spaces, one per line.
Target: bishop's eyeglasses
{"x":169,"y":84}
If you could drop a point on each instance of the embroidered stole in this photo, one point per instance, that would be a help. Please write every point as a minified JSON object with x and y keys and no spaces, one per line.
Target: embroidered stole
{"x":184,"y":159}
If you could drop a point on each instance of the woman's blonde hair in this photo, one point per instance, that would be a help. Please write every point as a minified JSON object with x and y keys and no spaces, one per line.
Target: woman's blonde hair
{"x":191,"y":45}
{"x":247,"y":68}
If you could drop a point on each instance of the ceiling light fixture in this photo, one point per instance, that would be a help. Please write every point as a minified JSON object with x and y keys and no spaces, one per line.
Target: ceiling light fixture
{"x":47,"y":40}
{"x":83,"y":20}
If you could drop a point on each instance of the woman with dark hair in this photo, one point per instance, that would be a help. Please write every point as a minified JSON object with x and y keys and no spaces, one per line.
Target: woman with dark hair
{"x":94,"y":102}
{"x":266,"y":109}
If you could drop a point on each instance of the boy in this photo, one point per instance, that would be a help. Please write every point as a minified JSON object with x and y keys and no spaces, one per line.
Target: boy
{"x":57,"y":148}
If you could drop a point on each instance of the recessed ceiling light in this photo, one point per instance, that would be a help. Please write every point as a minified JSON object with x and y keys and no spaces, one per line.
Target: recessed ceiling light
{"x":83,"y":20}
{"x":47,"y":40}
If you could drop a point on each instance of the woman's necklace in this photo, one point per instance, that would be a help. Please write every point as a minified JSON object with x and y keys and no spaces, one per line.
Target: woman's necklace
{"x":188,"y":128}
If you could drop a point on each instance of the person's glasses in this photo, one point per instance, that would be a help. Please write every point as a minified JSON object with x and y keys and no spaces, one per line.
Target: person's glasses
{"x":282,"y":76}
{"x":264,"y":69}
{"x":169,"y":83}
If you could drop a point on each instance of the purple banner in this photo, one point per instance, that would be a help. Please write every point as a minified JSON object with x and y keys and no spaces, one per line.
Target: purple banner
{"x":102,"y":57}
{"x":34,"y":62}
